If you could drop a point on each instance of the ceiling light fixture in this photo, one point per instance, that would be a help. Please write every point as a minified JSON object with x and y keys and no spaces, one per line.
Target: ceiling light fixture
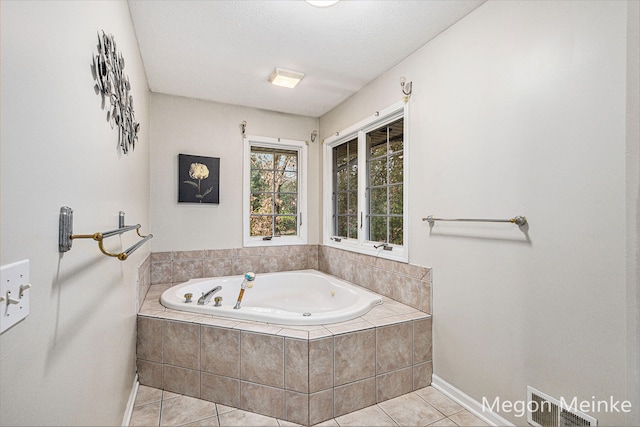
{"x":322,"y":3}
{"x":285,"y":78}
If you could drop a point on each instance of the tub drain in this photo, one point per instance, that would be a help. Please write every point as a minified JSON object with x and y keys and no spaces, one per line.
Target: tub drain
{"x":306,"y":314}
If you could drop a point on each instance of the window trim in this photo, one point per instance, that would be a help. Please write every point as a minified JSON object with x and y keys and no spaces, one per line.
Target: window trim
{"x":359,"y":130}
{"x":286,"y":144}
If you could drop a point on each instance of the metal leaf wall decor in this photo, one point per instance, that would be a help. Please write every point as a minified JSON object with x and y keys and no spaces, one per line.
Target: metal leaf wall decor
{"x":114,"y":86}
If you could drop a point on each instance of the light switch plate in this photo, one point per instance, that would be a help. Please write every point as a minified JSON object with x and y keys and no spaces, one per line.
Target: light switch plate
{"x":14,"y":293}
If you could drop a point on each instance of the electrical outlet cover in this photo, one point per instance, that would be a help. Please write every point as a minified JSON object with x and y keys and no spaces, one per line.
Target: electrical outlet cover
{"x":14,"y":300}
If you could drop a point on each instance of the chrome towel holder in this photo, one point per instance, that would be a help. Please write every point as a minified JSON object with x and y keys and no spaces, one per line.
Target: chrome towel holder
{"x":66,"y":236}
{"x":519,"y":220}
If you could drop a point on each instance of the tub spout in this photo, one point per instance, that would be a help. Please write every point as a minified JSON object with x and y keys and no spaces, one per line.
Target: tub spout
{"x":205,"y":298}
{"x":246,"y":283}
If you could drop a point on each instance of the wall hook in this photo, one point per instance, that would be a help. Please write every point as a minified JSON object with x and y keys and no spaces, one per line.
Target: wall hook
{"x":243,"y":126}
{"x":314,"y":135}
{"x":406,"y":88}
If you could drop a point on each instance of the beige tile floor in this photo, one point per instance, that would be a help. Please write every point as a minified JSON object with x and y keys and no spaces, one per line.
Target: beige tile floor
{"x":424,"y":407}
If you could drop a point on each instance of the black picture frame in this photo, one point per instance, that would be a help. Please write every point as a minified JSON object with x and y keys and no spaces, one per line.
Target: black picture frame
{"x":198,"y":179}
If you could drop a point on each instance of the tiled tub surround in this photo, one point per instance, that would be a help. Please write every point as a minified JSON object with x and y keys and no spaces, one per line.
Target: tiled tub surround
{"x":301,"y":374}
{"x":407,"y":283}
{"x":144,"y":280}
{"x":180,"y":266}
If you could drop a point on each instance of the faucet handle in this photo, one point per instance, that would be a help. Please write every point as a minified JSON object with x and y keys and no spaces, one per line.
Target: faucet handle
{"x":187,"y":297}
{"x":218,"y":301}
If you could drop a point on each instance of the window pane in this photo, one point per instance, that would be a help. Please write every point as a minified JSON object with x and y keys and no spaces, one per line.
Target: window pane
{"x":342,"y":180}
{"x":377,"y":142}
{"x":395,"y":168}
{"x":395,"y":200}
{"x":353,"y":202}
{"x":395,"y":230}
{"x":353,"y":177}
{"x":261,"y":158}
{"x":352,"y":226}
{"x":261,"y":203}
{"x":286,"y":225}
{"x":340,"y":156}
{"x":396,"y":144}
{"x":261,"y":180}
{"x":378,"y":229}
{"x":286,"y":204}
{"x":287,"y":161}
{"x":346,"y":226}
{"x":352,"y":154}
{"x":261,"y":226}
{"x":341,"y":203}
{"x":377,"y":150}
{"x":287,"y":182}
{"x":341,"y":226}
{"x":378,"y":205}
{"x":378,"y":172}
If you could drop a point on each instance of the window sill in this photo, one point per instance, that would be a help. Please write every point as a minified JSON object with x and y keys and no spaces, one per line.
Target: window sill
{"x":276,"y":241}
{"x":397,"y":254}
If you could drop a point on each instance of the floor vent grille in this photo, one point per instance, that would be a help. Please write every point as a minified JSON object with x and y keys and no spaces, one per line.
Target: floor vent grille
{"x":545,"y":411}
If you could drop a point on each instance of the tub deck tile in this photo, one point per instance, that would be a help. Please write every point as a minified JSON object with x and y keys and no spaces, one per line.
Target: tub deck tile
{"x":355,"y":325}
{"x":262,"y":328}
{"x":217,"y":321}
{"x":151,"y":313}
{"x":338,"y":398}
{"x":390,"y":320}
{"x":293,"y":333}
{"x":319,"y":333}
{"x":180,"y":315}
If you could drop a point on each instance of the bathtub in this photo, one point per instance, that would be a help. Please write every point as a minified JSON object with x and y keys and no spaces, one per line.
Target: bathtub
{"x":303,"y":297}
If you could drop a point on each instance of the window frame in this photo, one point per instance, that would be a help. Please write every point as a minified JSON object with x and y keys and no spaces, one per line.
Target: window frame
{"x":360,"y":130}
{"x":274,"y":143}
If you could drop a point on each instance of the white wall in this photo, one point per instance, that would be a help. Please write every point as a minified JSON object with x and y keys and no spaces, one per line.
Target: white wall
{"x":633,"y":202}
{"x":520,"y":109}
{"x":189,"y":126}
{"x":72,"y":360}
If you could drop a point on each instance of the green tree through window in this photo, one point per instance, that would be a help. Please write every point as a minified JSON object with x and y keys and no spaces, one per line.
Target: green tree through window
{"x":385,"y":171}
{"x":345,"y":191}
{"x":273,"y":192}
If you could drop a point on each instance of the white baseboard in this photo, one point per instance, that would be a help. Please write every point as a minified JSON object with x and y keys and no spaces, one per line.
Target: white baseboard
{"x":126,"y":420}
{"x":468,"y":402}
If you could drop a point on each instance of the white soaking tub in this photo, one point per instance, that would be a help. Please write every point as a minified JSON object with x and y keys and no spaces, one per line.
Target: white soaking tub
{"x":303,"y":297}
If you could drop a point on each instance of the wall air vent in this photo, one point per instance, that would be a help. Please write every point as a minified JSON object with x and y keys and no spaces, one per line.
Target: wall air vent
{"x":545,"y":411}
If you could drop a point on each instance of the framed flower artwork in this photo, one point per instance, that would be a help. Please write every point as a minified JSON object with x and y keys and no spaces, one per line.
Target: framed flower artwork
{"x":198,"y":179}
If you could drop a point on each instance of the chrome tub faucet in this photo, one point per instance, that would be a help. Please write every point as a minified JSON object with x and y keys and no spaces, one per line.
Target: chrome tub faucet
{"x":205,"y":298}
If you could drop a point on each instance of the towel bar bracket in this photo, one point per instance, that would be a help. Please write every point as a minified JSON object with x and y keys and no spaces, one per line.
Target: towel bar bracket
{"x":66,"y":229}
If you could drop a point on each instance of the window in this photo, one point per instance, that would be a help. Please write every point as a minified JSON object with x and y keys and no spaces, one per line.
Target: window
{"x":274,"y":191}
{"x":385,"y":165}
{"x":366,"y":172}
{"x":345,"y":193}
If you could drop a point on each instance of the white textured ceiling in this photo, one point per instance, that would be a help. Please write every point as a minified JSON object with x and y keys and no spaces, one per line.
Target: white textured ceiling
{"x":224,"y":50}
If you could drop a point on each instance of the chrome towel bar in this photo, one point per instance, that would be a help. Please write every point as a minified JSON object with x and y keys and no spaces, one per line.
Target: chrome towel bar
{"x":519,"y":220}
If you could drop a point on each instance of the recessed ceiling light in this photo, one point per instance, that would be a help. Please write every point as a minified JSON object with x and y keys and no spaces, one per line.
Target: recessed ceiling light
{"x":285,"y":78}
{"x":322,"y":3}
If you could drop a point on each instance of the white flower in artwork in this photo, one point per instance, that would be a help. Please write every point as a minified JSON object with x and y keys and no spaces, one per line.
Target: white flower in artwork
{"x":199,"y":171}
